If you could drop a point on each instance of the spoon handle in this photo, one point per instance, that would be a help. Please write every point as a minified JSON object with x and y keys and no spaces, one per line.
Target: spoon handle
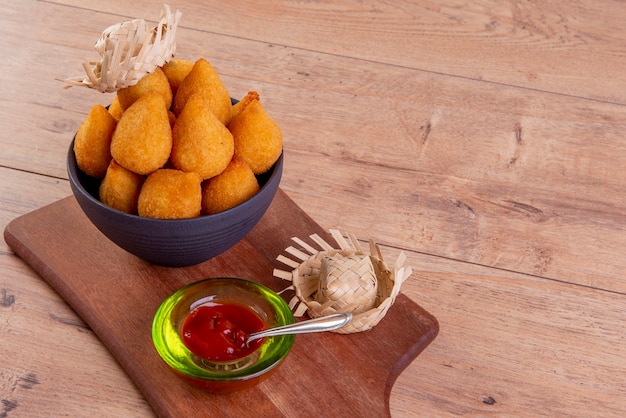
{"x":324,"y":323}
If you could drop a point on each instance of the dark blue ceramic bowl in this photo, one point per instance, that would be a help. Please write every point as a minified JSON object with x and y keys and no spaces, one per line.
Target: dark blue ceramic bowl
{"x":173,"y":243}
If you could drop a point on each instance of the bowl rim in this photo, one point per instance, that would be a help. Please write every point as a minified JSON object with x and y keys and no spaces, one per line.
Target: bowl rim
{"x":273,"y":174}
{"x":164,"y":312}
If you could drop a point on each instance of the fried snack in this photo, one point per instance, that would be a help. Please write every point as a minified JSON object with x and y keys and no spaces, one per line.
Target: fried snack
{"x":241,"y":105}
{"x":120,"y":188}
{"x":233,"y":186}
{"x":171,"y":194}
{"x":200,"y":142}
{"x":171,"y":117}
{"x":115,"y":109}
{"x":154,"y":81}
{"x":258,"y":138}
{"x":93,"y":142}
{"x":204,"y":80}
{"x":142,"y":141}
{"x":176,"y":70}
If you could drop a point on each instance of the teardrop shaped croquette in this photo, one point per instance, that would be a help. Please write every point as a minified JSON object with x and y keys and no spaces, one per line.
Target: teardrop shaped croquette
{"x":155,"y":80}
{"x":258,"y":138}
{"x":171,"y":194}
{"x":142,"y":140}
{"x":120,"y":188}
{"x":243,"y":103}
{"x":176,"y":70}
{"x":200,"y":142}
{"x":233,"y":186}
{"x":204,"y":80}
{"x":115,"y":108}
{"x":92,"y":144}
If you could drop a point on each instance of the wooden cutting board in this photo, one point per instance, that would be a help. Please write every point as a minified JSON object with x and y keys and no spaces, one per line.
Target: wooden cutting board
{"x":117,"y":295}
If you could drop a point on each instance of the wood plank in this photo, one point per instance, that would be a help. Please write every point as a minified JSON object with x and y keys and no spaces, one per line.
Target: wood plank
{"x":37,"y":112}
{"x":508,"y":337}
{"x":476,"y":167}
{"x":14,"y":202}
{"x":117,"y":295}
{"x":513,"y":345}
{"x":455,"y":375}
{"x":50,"y":361}
{"x":542,"y":231}
{"x":550,"y":204}
{"x":457,"y":184}
{"x":541,"y":46}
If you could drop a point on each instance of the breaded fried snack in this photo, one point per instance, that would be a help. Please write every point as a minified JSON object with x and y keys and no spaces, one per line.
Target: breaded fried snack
{"x":200,"y":142}
{"x":93,"y":142}
{"x":142,"y":141}
{"x":258,"y":138}
{"x":171,"y":194}
{"x":176,"y":70}
{"x":120,"y":188}
{"x":233,"y":186}
{"x":154,"y":81}
{"x":205,"y":81}
{"x":115,"y":109}
{"x":172,"y":118}
{"x":241,"y":104}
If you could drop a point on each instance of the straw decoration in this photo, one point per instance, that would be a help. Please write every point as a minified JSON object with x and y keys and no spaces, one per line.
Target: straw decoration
{"x":130,"y":50}
{"x":344,"y":279}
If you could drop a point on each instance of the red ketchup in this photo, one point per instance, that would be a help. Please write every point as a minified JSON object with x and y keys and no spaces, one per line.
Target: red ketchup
{"x":218,"y":332}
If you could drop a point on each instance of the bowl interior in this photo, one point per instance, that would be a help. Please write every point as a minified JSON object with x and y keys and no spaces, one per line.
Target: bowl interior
{"x":269,"y":306}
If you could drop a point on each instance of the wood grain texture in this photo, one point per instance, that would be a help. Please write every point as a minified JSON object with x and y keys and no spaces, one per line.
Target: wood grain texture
{"x":117,"y":294}
{"x":538,"y":347}
{"x":469,"y":170}
{"x":485,"y":139}
{"x":51,"y":362}
{"x":549,"y":46}
{"x":41,"y":337}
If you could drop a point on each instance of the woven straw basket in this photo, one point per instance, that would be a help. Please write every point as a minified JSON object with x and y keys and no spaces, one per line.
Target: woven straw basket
{"x":361,"y":282}
{"x":130,"y":50}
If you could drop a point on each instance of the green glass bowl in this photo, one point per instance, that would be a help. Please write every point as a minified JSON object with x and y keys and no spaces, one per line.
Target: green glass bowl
{"x":222,"y":376}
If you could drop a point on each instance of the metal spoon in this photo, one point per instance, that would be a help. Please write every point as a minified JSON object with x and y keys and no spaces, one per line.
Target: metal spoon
{"x":324,"y":323}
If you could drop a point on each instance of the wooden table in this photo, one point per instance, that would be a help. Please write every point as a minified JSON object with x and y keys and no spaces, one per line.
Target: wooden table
{"x":484,"y":139}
